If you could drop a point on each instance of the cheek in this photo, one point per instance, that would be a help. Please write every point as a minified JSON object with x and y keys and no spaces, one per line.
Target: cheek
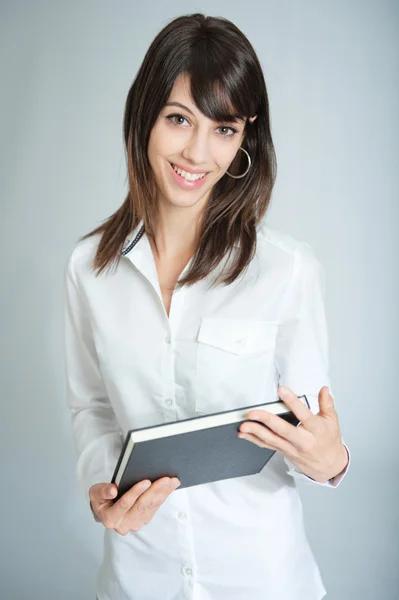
{"x":158,"y":140}
{"x":153,"y":144}
{"x":227,"y":153}
{"x":156,"y":156}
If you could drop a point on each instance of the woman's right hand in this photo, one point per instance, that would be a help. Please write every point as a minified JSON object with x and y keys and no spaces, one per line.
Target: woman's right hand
{"x":135,"y":508}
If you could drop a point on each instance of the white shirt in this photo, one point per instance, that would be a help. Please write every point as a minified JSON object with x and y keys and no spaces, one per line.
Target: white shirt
{"x":129,"y":366}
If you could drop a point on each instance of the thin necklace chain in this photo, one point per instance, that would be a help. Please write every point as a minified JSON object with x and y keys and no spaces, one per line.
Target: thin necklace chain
{"x":134,"y":242}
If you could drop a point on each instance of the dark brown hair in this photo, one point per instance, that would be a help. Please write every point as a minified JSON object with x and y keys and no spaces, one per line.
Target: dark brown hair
{"x":226,"y":78}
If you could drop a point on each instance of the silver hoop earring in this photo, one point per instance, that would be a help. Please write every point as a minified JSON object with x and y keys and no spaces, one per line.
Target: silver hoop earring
{"x":249,"y":166}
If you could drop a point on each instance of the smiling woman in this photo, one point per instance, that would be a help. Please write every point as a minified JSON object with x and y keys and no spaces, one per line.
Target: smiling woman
{"x":196,"y":141}
{"x":189,"y":107}
{"x":208,"y":309}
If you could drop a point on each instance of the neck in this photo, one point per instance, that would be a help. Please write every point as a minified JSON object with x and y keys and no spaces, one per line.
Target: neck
{"x":176,"y":232}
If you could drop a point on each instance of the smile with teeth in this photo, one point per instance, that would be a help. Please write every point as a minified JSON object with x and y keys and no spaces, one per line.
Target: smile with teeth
{"x":188,"y":176}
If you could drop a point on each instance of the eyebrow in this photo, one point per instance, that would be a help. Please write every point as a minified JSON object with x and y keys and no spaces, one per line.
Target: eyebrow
{"x":235,"y":117}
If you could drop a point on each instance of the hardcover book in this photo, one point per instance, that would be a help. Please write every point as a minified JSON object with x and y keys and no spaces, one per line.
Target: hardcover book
{"x":196,"y":450}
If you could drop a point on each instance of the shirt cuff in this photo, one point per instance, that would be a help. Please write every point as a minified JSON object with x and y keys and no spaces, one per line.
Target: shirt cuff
{"x":331,"y":483}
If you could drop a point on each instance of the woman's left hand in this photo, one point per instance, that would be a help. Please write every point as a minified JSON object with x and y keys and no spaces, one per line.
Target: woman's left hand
{"x":314,"y":446}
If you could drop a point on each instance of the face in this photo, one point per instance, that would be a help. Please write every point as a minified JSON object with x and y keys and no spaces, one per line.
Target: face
{"x":184,"y":137}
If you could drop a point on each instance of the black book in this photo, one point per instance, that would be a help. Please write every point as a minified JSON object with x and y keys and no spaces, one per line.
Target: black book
{"x":196,"y":450}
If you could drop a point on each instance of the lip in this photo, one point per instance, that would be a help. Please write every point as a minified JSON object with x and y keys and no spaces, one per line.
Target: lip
{"x":191,"y":171}
{"x":183,"y":183}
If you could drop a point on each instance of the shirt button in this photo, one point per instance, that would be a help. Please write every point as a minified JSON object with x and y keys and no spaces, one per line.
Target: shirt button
{"x":168,"y":402}
{"x":240,"y":342}
{"x":182,"y":516}
{"x":188,"y":571}
{"x":167,"y":339}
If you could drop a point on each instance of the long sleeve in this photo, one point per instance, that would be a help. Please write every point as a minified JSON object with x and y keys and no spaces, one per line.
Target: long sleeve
{"x":97,"y":436}
{"x":302,"y":354}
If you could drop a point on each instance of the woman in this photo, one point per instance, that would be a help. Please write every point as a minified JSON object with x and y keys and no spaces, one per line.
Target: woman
{"x":208,"y":309}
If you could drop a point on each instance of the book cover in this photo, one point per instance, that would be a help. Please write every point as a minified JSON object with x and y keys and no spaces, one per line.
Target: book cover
{"x":196,"y":450}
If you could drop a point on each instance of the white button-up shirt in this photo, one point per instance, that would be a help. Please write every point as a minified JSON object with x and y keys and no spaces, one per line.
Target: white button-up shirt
{"x":129,"y":365}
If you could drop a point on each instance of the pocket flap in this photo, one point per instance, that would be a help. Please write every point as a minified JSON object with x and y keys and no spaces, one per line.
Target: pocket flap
{"x":240,"y":336}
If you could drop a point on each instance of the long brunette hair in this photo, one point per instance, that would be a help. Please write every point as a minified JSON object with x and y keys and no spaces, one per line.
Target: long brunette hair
{"x":226,"y":79}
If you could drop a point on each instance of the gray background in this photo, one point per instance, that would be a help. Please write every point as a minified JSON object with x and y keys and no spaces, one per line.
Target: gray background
{"x":332,"y":74}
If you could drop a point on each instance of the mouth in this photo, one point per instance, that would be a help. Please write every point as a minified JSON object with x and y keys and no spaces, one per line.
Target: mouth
{"x":188,"y":183}
{"x":180,"y":169}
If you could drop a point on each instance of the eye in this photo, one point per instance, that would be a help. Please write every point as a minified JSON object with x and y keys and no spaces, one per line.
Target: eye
{"x":176,"y":116}
{"x":232,"y":129}
{"x":179,"y":116}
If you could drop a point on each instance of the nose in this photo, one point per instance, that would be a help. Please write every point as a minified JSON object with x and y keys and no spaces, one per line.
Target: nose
{"x":196,"y":149}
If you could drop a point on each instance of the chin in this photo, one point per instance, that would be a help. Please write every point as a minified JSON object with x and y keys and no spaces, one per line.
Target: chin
{"x":183,"y":202}
{"x":184,"y":198}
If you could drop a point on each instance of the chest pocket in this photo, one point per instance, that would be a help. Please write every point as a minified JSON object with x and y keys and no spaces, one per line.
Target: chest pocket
{"x":235,"y":363}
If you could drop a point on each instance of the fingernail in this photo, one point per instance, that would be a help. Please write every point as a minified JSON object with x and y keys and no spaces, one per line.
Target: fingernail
{"x":145,"y":484}
{"x":111,"y":492}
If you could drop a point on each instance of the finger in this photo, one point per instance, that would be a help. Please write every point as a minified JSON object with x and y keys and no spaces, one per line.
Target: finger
{"x":100,"y":492}
{"x":152,"y":499}
{"x":326,"y":403}
{"x":140,"y":514}
{"x":266,"y":437}
{"x":109,"y":491}
{"x":116,"y":512}
{"x":291,"y":400}
{"x":147,"y":504}
{"x":255,"y":440}
{"x":155,"y":495}
{"x":275,"y":424}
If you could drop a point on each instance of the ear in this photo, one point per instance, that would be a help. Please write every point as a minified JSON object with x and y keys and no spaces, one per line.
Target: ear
{"x":252,"y":119}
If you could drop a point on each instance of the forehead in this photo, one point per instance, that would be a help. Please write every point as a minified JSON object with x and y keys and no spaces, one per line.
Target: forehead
{"x":181,"y":93}
{"x":181,"y":89}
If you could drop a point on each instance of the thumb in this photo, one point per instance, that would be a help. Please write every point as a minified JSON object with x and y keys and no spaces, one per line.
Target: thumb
{"x":102,"y":491}
{"x":109,"y":491}
{"x":326,"y":402}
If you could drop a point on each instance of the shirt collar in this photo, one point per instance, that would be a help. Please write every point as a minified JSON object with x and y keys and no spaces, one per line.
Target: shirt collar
{"x":141,"y":256}
{"x":132,"y":235}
